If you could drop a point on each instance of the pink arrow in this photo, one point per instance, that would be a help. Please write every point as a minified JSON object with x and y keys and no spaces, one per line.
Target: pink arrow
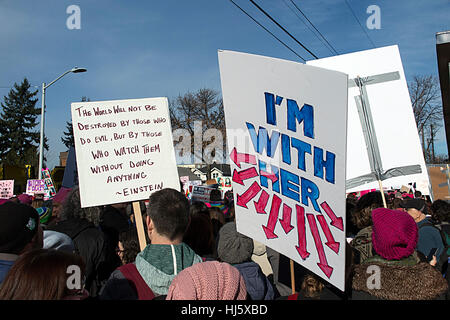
{"x":273,"y":218}
{"x":240,"y":176}
{"x":335,"y":221}
{"x":260,"y":206}
{"x":333,"y":245}
{"x":301,"y":248}
{"x":286,"y":220}
{"x":268,"y":175}
{"x":242,"y":157}
{"x":323,"y":264}
{"x":248,"y":195}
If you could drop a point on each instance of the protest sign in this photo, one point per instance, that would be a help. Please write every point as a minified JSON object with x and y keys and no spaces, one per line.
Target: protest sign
{"x":51,"y":191}
{"x":6,"y":189}
{"x":201,"y":193}
{"x":124,"y":150}
{"x":36,"y":186}
{"x":395,"y":145}
{"x":70,"y":178}
{"x":286,"y":132}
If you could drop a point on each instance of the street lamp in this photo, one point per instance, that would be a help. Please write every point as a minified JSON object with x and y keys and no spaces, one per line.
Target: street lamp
{"x":44,"y":87}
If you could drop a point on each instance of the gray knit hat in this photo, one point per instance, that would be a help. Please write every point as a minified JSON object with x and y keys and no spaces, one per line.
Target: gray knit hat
{"x":233,"y":247}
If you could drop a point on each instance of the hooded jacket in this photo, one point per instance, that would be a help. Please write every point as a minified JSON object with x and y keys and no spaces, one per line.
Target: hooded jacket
{"x":90,"y":243}
{"x":156,"y":265}
{"x":257,"y":284}
{"x":406,"y":279}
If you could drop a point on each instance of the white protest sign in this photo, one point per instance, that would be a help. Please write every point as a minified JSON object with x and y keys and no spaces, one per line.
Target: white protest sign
{"x":124,"y":150}
{"x":286,"y":130}
{"x":36,"y":186}
{"x":393,"y":119}
{"x":6,"y":189}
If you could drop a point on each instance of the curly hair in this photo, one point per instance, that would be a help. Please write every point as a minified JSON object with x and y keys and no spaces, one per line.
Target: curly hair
{"x":440,"y":211}
{"x":130,"y":242}
{"x":71,"y":208}
{"x":362,"y":216}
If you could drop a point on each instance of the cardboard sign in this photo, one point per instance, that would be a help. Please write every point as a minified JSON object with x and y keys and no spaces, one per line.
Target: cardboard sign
{"x":36,"y":186}
{"x":6,"y":189}
{"x":286,"y":130}
{"x":392,"y":114}
{"x":201,"y":193}
{"x":124,"y":150}
{"x":48,"y":183}
{"x":439,"y":176}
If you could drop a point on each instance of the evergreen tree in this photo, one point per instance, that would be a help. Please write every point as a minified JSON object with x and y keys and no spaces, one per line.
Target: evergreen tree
{"x":19,"y":142}
{"x":68,"y":139}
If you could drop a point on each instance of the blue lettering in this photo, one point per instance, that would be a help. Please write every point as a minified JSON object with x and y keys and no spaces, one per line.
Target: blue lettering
{"x":305,"y":115}
{"x":328,"y":164}
{"x":289,"y":189}
{"x":262,"y":140}
{"x":302,"y":148}
{"x":309,"y":190}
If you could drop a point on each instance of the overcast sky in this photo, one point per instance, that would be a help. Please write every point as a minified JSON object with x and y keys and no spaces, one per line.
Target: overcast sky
{"x":137,"y":49}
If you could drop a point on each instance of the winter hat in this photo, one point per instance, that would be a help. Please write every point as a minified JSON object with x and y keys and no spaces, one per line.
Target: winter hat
{"x":58,"y":241}
{"x":233,"y":247}
{"x":211,"y":280}
{"x":44,"y":214}
{"x":394,"y":233}
{"x":18,"y":225}
{"x":409,"y":203}
{"x":25,"y":198}
{"x":61,"y":195}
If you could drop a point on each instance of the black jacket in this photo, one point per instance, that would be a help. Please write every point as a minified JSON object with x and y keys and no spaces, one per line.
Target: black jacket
{"x":91,"y":244}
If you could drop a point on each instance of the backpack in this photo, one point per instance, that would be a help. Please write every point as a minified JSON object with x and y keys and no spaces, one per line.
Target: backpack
{"x":443,"y":258}
{"x":131,"y":273}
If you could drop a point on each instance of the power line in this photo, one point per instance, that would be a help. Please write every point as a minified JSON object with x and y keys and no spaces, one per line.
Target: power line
{"x":312,"y":24}
{"x":281,"y":27}
{"x":267,"y":30}
{"x":354,"y":15}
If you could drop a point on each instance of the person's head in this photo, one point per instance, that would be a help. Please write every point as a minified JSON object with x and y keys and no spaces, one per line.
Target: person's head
{"x":394,"y":233}
{"x":418,"y":194}
{"x":440,"y":211}
{"x":416,"y":208}
{"x":44,"y":275}
{"x":37,"y":201}
{"x":20,"y":230}
{"x":233,"y":247}
{"x":215,"y":195}
{"x":362,"y":217}
{"x":25,"y":198}
{"x":198,"y":208}
{"x":71,"y":209}
{"x":128,"y":245}
{"x":199,"y":235}
{"x":211,"y":280}
{"x":167,"y":216}
{"x":312,"y":286}
{"x":58,"y":200}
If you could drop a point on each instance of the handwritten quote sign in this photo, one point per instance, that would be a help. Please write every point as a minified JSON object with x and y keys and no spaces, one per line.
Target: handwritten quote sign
{"x":124,"y":150}
{"x":286,"y":131}
{"x":6,"y":189}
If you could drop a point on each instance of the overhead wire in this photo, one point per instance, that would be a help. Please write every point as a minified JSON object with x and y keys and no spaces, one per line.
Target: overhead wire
{"x":247,"y":14}
{"x":282,"y":28}
{"x":312,"y":24}
{"x":356,"y":18}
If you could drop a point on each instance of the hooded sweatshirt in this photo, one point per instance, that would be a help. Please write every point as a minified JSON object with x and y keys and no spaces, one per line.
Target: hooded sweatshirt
{"x":156,"y":265}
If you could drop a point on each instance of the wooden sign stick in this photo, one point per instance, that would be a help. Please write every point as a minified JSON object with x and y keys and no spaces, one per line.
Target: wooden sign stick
{"x":292,"y":276}
{"x":139,"y":225}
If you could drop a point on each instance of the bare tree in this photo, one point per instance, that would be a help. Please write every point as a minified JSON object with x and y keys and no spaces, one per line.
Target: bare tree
{"x":197,"y":113}
{"x":425,"y":99}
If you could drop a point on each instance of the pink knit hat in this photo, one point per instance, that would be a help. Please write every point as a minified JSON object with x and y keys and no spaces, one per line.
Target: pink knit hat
{"x":211,"y":280}
{"x":394,"y":233}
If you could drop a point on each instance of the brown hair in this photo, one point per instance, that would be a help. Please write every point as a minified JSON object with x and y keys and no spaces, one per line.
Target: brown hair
{"x":40,"y":275}
{"x":312,"y":286}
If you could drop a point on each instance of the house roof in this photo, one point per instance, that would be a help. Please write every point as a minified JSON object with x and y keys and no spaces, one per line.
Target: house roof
{"x":224,"y":168}
{"x":182,"y":171}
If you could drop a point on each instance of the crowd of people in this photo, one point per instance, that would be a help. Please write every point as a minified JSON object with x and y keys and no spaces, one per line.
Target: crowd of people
{"x":59,"y":251}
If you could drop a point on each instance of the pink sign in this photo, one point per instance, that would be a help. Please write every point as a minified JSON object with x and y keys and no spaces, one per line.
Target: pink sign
{"x":6,"y":189}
